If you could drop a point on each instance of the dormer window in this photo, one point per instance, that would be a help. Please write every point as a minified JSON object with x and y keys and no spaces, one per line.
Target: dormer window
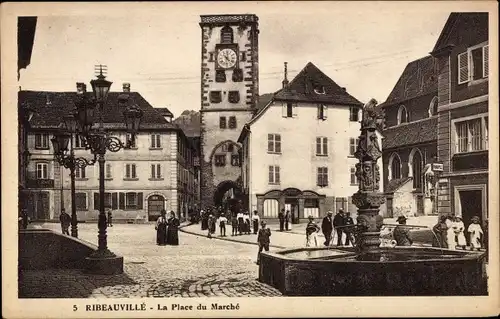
{"x":319,"y":90}
{"x":226,"y":34}
{"x":402,"y":115}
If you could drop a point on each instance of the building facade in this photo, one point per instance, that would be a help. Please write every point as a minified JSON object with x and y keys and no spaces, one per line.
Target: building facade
{"x":229,"y":89}
{"x":156,"y":173}
{"x":462,"y":54}
{"x":410,"y":140}
{"x":298,"y":150}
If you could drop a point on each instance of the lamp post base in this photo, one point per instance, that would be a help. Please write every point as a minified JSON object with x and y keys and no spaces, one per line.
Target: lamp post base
{"x":104,"y":262}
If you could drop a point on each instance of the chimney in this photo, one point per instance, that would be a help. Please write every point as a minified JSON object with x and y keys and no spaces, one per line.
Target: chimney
{"x":126,"y":87}
{"x":81,"y":88}
{"x":285,"y":80}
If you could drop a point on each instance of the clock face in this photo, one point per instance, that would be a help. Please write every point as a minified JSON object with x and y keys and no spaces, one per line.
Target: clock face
{"x":226,"y":58}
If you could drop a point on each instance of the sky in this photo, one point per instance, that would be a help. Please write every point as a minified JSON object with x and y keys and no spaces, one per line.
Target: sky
{"x":158,"y":51}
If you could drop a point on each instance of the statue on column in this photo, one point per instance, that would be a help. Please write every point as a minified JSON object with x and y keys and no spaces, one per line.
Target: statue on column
{"x":368,"y":198}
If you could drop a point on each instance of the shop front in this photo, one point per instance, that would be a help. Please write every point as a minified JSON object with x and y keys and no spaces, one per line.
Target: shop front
{"x":301,"y":204}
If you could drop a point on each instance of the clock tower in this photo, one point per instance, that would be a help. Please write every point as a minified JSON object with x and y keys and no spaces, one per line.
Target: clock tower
{"x":229,"y":90}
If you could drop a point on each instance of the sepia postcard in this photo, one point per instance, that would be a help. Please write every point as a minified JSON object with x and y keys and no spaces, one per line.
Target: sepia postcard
{"x":250,"y":159}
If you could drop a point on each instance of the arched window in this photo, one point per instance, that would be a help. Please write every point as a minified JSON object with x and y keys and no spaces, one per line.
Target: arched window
{"x":433,"y":107}
{"x":394,"y":166}
{"x":226,"y":35}
{"x":402,"y":115}
{"x":417,"y":164}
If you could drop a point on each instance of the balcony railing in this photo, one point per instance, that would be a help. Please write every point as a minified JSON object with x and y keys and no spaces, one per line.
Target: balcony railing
{"x":40,"y":183}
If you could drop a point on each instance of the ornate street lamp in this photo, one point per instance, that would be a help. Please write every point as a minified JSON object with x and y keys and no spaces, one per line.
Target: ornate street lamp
{"x":96,"y":140}
{"x":60,"y":144}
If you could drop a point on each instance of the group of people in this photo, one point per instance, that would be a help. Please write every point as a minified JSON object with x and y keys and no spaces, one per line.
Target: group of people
{"x":241,"y":223}
{"x":167,"y":229}
{"x":339,"y":225}
{"x":450,"y":232}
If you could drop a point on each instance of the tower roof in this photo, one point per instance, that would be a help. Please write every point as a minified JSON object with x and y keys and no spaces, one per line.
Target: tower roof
{"x":222,"y":19}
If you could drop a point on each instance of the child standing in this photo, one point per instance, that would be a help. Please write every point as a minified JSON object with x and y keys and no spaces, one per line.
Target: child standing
{"x":263,"y":239}
{"x":475,"y":233}
{"x":211,"y":225}
{"x":311,"y":231}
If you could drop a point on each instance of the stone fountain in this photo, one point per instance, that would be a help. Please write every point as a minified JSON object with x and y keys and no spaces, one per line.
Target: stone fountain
{"x":368,"y":269}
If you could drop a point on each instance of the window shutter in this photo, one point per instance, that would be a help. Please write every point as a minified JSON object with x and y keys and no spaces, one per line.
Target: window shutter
{"x":319,"y":111}
{"x":325,"y":146}
{"x":318,"y":145}
{"x":158,"y":170}
{"x":277,"y":174}
{"x":318,"y":176}
{"x":153,"y":171}
{"x":96,"y":201}
{"x":139,"y":200}
{"x":133,"y":171}
{"x":294,"y":110}
{"x":283,"y":110}
{"x":325,"y":176}
{"x":114,"y":200}
{"x":463,"y":68}
{"x":485,"y":61}
{"x":122,"y":201}
{"x":325,"y":111}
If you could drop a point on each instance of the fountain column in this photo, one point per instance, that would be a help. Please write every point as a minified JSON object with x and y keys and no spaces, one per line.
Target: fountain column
{"x":368,"y":198}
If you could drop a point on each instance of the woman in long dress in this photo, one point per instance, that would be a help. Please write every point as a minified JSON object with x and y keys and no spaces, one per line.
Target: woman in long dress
{"x":173,"y":230}
{"x":460,"y":228}
{"x":161,"y":229}
{"x":450,"y":233}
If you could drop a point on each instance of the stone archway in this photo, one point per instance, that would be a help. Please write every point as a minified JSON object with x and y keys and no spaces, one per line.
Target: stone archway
{"x":227,"y":193}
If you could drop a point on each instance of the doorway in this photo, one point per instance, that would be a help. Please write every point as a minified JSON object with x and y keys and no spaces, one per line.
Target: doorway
{"x":155,"y":204}
{"x":292,"y":205}
{"x":470,"y":205}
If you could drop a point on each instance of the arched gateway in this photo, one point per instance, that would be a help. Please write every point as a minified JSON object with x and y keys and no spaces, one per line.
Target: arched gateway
{"x":227,"y":194}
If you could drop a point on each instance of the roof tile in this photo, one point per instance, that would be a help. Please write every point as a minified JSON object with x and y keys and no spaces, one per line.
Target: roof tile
{"x":411,"y":133}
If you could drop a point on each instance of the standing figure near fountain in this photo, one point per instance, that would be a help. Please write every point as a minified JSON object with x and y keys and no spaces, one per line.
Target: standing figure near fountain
{"x":263,"y":239}
{"x":402,"y":233}
{"x":451,"y":238}
{"x":440,"y":230}
{"x":459,"y":231}
{"x":311,"y":230}
{"x":327,"y":227}
{"x":338,"y":222}
{"x":475,"y":233}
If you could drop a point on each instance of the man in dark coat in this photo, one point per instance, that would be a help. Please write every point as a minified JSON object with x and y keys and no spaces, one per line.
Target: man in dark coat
{"x":402,"y":233}
{"x":349,"y":222}
{"x":263,"y":239}
{"x":287,"y":219}
{"x":281,"y":217}
{"x":338,"y":221}
{"x":65,"y":220}
{"x":327,"y":227}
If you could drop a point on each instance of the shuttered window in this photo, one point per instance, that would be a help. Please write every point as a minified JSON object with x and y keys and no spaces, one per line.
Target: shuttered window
{"x":486,"y":68}
{"x":463,"y":68}
{"x":322,"y":111}
{"x":322,"y":176}
{"x":130,"y":171}
{"x":273,"y":143}
{"x":274,"y":174}
{"x":155,"y":171}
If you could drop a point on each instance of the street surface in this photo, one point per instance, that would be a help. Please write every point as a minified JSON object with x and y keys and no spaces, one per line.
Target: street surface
{"x":198,"y":267}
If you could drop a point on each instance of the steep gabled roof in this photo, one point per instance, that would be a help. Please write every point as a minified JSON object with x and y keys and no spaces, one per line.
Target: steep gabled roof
{"x":51,"y":107}
{"x":164,"y":111}
{"x":418,"y":78}
{"x":471,"y":19}
{"x":309,"y":81}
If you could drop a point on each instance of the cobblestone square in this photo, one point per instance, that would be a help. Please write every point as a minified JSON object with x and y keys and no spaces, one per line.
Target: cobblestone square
{"x":198,"y":267}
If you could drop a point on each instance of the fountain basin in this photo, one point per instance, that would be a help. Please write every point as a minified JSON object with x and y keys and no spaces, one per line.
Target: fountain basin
{"x":400,"y":271}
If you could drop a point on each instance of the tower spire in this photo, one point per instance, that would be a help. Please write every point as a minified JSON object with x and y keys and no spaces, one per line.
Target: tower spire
{"x":285,"y":80}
